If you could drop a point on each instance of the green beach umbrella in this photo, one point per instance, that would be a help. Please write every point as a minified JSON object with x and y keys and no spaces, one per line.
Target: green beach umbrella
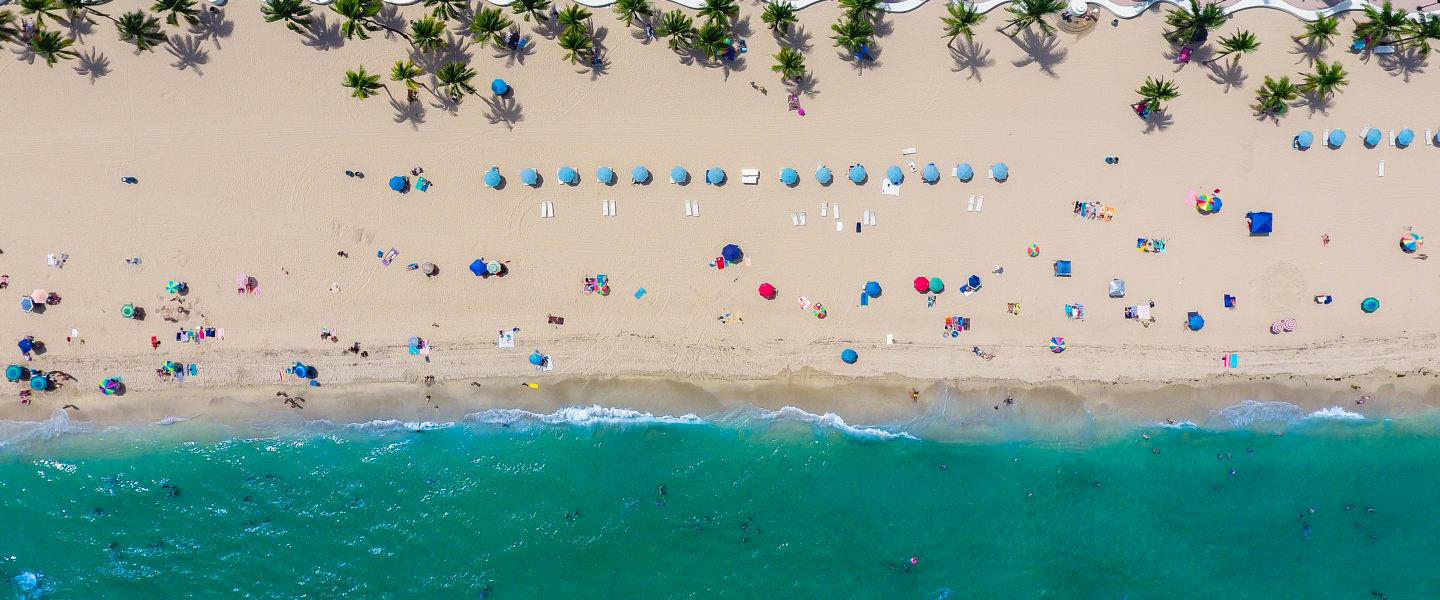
{"x":128,"y":311}
{"x":1370,"y":305}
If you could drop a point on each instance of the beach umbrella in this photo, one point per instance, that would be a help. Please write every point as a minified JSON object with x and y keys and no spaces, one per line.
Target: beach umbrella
{"x":930,"y":174}
{"x":1287,"y":324}
{"x":477,"y":267}
{"x":1261,"y":223}
{"x":1000,"y":171}
{"x":493,"y":267}
{"x":936,"y":285}
{"x":1195,"y":322}
{"x":14,"y":372}
{"x":499,"y":87}
{"x":857,"y":174}
{"x":679,"y":175}
{"x":567,"y":175}
{"x":788,"y":176}
{"x":964,"y":171}
{"x":1033,"y":250}
{"x":428,"y":269}
{"x":399,"y":183}
{"x":39,"y":383}
{"x":26,"y":345}
{"x":128,"y":311}
{"x":731,"y":253}
{"x":894,"y":174}
{"x":26,"y":304}
{"x":537,"y":359}
{"x":530,"y":177}
{"x":1304,"y":140}
{"x":1336,"y":138}
{"x":1411,"y":242}
{"x":767,"y":291}
{"x":1077,"y":8}
{"x":714,"y":176}
{"x":110,"y":386}
{"x":1437,"y":138}
{"x":242,"y":281}
{"x":1370,"y":305}
{"x":824,"y":175}
{"x":492,"y":177}
{"x":605,"y":175}
{"x":974,"y":282}
{"x":1406,"y":137}
{"x":872,"y":289}
{"x":1372,"y":137}
{"x":39,"y":296}
{"x":639,"y":174}
{"x":1207,"y":204}
{"x":1057,"y":344}
{"x":922,"y":285}
{"x":849,"y":356}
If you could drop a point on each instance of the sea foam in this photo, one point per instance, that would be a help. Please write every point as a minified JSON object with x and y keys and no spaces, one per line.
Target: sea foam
{"x":20,"y":432}
{"x":578,"y":415}
{"x":757,"y":416}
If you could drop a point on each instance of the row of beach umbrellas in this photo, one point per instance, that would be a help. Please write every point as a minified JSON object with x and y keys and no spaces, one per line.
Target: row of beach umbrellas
{"x":716,"y":175}
{"x":1336,"y":138}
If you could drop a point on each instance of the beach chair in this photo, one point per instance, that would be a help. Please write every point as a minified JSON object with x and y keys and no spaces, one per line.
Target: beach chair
{"x":1429,"y":138}
{"x":1386,"y":49}
{"x":970,"y":207}
{"x":1380,"y":169}
{"x":979,"y":203}
{"x":688,"y":213}
{"x":1392,"y":138}
{"x":695,"y":208}
{"x":794,"y":219}
{"x":802,"y":224}
{"x":750,"y":176}
{"x":907,"y":151}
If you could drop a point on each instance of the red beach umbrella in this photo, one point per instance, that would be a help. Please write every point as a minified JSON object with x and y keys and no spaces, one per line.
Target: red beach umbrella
{"x":767,"y":291}
{"x":922,"y":284}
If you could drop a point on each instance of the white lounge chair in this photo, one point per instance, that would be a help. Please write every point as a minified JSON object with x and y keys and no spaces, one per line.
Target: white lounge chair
{"x":542,"y":210}
{"x":970,"y":207}
{"x":979,"y":203}
{"x":688,"y":212}
{"x":835,"y":211}
{"x":1392,"y":137}
{"x":1380,"y":170}
{"x":839,"y":225}
{"x":1429,"y":138}
{"x":824,"y":208}
{"x":802,"y":223}
{"x":907,"y":151}
{"x":1383,"y":50}
{"x":695,"y":208}
{"x":794,"y":219}
{"x":749,"y":176}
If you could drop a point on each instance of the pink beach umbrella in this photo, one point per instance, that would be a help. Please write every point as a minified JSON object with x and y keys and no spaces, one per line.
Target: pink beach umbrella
{"x":39,"y":296}
{"x":242,"y":281}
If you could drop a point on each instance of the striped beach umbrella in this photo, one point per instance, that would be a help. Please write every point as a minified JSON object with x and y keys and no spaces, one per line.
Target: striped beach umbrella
{"x":1033,"y":250}
{"x":1276,"y":327}
{"x":1287,"y":324}
{"x":1057,"y":344}
{"x":1411,"y":242}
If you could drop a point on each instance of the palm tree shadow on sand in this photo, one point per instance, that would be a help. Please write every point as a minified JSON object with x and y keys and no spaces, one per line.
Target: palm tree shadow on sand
{"x":796,"y":38}
{"x":77,"y":29}
{"x":1159,"y":120}
{"x":1403,"y":64}
{"x":516,"y":56}
{"x":1316,"y":104}
{"x":970,"y":57}
{"x":503,"y":110}
{"x":92,"y":64}
{"x":456,"y":50}
{"x":1199,"y":55}
{"x":805,"y":86}
{"x":24,"y":54}
{"x":1309,"y":52}
{"x":187,"y":52}
{"x":408,"y":112}
{"x":323,"y":35}
{"x":212,"y":25}
{"x":1228,"y":73}
{"x":1043,"y":51}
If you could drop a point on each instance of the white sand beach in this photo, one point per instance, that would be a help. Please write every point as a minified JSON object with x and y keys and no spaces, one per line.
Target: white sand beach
{"x":240,"y":135}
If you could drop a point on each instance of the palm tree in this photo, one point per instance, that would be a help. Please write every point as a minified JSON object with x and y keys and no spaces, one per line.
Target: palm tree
{"x":851,"y":34}
{"x":790,"y":64}
{"x":81,"y":9}
{"x":1381,"y":25}
{"x":405,"y":72}
{"x":1423,"y":29}
{"x":854,"y":9}
{"x":1156,"y":91}
{"x":779,"y":16}
{"x":718,"y":11}
{"x":362,"y":85}
{"x":1025,"y":13}
{"x":961,"y":21}
{"x":174,"y":10}
{"x":447,"y":10}
{"x":140,"y":29}
{"x":1274,"y":96}
{"x":51,"y":46}
{"x":295,"y":13}
{"x":39,"y":9}
{"x":427,"y":34}
{"x":573,"y":16}
{"x":712,"y":39}
{"x":1186,"y":25}
{"x":8,"y":31}
{"x":576,"y":43}
{"x":1238,"y":44}
{"x":1319,"y":31}
{"x":530,"y":7}
{"x":1326,"y":80}
{"x":360,"y":19}
{"x":677,"y":26}
{"x":487,"y":25}
{"x":455,"y":78}
{"x":629,"y":10}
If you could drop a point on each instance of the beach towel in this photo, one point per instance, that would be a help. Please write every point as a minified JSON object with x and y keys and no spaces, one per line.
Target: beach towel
{"x":640,"y":293}
{"x":889,"y":189}
{"x":389,"y":257}
{"x":506,"y":340}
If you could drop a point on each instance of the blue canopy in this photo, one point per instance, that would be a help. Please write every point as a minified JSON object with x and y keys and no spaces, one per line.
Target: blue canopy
{"x":731,"y":253}
{"x":894,"y":174}
{"x":492,"y":177}
{"x":974,"y":281}
{"x":499,"y":87}
{"x":639,"y":174}
{"x":1406,"y":137}
{"x":849,"y":356}
{"x":1337,"y":138}
{"x":1260,"y":222}
{"x":567,"y":175}
{"x":824,"y":176}
{"x":714,"y":176}
{"x":679,"y":175}
{"x":605,"y":175}
{"x":1195,"y":322}
{"x":1001,"y":171}
{"x":857,"y":174}
{"x":1372,"y":137}
{"x":399,"y":183}
{"x":1304,"y":140}
{"x":872,"y":289}
{"x":1062,"y":268}
{"x":964,"y":172}
{"x":26,"y":345}
{"x":930,"y":174}
{"x":477,"y":267}
{"x":537,"y":359}
{"x":788,"y":176}
{"x":39,"y":383}
{"x":530,"y":177}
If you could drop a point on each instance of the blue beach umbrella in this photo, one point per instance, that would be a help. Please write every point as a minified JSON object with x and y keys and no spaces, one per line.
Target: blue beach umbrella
{"x":714,"y":176}
{"x":492,"y":177}
{"x":872,"y":289}
{"x":1406,"y":137}
{"x":567,"y":175}
{"x":14,"y":372}
{"x":857,"y":174}
{"x":964,"y":172}
{"x":788,"y":176}
{"x":530,"y":177}
{"x":1336,"y":138}
{"x":1372,"y":137}
{"x":26,"y":304}
{"x":26,"y":345}
{"x":824,"y":175}
{"x":974,"y":281}
{"x":930,"y":174}
{"x":679,"y":175}
{"x":477,"y":267}
{"x":1369,"y":305}
{"x":894,"y":174}
{"x":537,"y":359}
{"x":605,"y":175}
{"x":731,"y":253}
{"x":639,"y":174}
{"x":499,"y":87}
{"x":398,"y":183}
{"x":1304,"y":140}
{"x":1194,"y":321}
{"x":1001,"y":171}
{"x":849,"y":356}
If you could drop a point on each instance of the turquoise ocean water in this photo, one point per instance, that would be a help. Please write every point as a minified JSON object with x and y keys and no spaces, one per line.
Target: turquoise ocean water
{"x":755,"y":504}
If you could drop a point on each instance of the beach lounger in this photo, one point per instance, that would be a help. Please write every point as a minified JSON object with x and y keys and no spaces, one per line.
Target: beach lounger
{"x":794,"y":219}
{"x":549,"y":209}
{"x":839,"y":225}
{"x":695,"y":208}
{"x":835,"y":211}
{"x":1325,"y":137}
{"x":907,"y":151}
{"x":889,"y":339}
{"x":604,"y":208}
{"x":1392,"y":137}
{"x":979,"y":203}
{"x":1429,"y":138}
{"x":990,"y":173}
{"x":802,"y":224}
{"x":970,"y":207}
{"x":750,"y":176}
{"x":888,"y":188}
{"x":870,"y":220}
{"x":824,"y":209}
{"x":1380,"y":170}
{"x":912,"y":167}
{"x":687,"y":209}
{"x":542,"y":210}
{"x":1383,"y":50}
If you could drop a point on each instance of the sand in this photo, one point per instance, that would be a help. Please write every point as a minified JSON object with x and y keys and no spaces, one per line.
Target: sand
{"x":240,"y":133}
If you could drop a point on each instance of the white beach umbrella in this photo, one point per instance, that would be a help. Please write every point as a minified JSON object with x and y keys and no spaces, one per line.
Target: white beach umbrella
{"x":1078,"y":8}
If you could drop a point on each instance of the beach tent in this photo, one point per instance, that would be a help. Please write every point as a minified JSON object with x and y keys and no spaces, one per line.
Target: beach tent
{"x":767,"y":291}
{"x":1304,"y":140}
{"x":731,"y":253}
{"x":895,"y":175}
{"x":605,"y":175}
{"x":849,"y":356}
{"x":930,"y":173}
{"x":1336,"y":139}
{"x":788,"y":176}
{"x":1261,"y":223}
{"x":639,"y":174}
{"x":477,"y":267}
{"x":872,"y":289}
{"x":714,"y":176}
{"x":922,"y":285}
{"x":679,"y":175}
{"x":964,"y":172}
{"x":1370,"y":305}
{"x":823,"y":175}
{"x":492,"y":177}
{"x":1194,"y":321}
{"x":399,"y":184}
{"x":936,"y":285}
{"x":1117,"y":288}
{"x":1372,"y":137}
{"x":530,"y":177}
{"x":857,"y":174}
{"x":499,"y":87}
{"x":1406,"y":137}
{"x":567,"y":175}
{"x":1000,"y":171}
{"x":1410,"y":242}
{"x":1062,"y":268}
